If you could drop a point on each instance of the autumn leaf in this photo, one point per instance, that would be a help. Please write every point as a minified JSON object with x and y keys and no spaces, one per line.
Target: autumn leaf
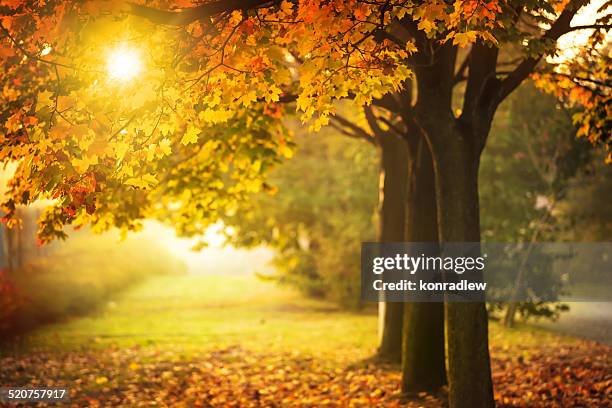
{"x":165,"y":146}
{"x":464,"y":39}
{"x":191,"y":135}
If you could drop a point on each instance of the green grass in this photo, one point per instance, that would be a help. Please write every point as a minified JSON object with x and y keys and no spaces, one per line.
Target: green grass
{"x":194,"y":313}
{"x":197,"y":312}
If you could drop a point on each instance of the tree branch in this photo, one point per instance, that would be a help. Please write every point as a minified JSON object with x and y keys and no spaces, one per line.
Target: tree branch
{"x":35,"y":57}
{"x":388,"y":102}
{"x":189,"y":15}
{"x":590,"y":27}
{"x":372,"y":121}
{"x":525,"y":68}
{"x":355,"y":131}
{"x":392,"y":126}
{"x":480,"y":81}
{"x":580,"y":78}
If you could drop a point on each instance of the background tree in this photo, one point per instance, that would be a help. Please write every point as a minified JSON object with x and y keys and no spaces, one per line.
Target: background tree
{"x":584,"y":210}
{"x":321,"y":209}
{"x":537,"y":155}
{"x":412,"y":333}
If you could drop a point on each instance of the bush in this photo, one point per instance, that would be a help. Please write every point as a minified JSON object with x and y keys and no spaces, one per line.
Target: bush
{"x":10,"y":300}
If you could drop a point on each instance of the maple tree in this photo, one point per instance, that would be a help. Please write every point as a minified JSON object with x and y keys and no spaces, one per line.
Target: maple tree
{"x":195,"y":131}
{"x":456,"y":131}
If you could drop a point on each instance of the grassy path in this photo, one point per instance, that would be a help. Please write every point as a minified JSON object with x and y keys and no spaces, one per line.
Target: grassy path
{"x":200,"y":312}
{"x":209,"y":340}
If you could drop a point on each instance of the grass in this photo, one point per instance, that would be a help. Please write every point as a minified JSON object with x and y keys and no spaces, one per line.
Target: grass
{"x":195,"y":313}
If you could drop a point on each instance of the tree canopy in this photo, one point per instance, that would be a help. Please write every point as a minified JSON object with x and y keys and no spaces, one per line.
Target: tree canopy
{"x":198,"y":124}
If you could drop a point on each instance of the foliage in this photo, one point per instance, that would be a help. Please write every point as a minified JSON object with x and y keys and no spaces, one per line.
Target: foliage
{"x":531,"y":159}
{"x":579,"y":82}
{"x":323,"y":210}
{"x":200,"y":126}
{"x":78,"y":277}
{"x":586,"y":207}
{"x":198,"y":129}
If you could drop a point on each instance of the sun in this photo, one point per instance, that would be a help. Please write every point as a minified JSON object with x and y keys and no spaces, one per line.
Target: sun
{"x":124,"y":63}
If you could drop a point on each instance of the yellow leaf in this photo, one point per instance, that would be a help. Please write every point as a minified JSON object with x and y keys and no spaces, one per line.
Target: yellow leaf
{"x":191,"y":135}
{"x":247,"y":98}
{"x":166,"y":128}
{"x":463,"y":39}
{"x":120,"y":149}
{"x":101,"y":380}
{"x":164,"y":146}
{"x":273,"y":94}
{"x":44,"y":100}
{"x":82,"y":165}
{"x":426,"y":25}
{"x":411,"y":47}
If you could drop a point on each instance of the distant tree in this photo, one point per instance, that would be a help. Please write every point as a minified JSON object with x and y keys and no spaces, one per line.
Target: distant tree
{"x":585,"y":210}
{"x":321,"y":209}
{"x":526,"y":172}
{"x":413,"y":332}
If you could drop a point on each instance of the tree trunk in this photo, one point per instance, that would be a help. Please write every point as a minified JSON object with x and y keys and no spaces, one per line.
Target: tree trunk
{"x":456,"y":151}
{"x":423,"y":362}
{"x":3,"y":251}
{"x":509,"y":317}
{"x":456,"y":162}
{"x":392,"y":193}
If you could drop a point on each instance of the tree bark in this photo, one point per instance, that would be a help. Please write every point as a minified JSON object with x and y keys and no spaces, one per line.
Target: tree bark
{"x":392,"y":196}
{"x":456,"y":162}
{"x":423,"y":355}
{"x":455,"y":149}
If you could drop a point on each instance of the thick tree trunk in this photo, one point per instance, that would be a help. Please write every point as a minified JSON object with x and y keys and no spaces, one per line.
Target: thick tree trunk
{"x":423,"y":362}
{"x":456,"y":162}
{"x":392,"y":196}
{"x":456,"y":151}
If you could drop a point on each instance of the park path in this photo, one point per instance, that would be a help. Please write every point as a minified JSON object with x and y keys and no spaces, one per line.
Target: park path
{"x":589,"y":320}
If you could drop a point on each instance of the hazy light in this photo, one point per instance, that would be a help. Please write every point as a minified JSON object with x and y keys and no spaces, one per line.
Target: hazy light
{"x":123,"y":64}
{"x":570,"y":44}
{"x":218,"y":258}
